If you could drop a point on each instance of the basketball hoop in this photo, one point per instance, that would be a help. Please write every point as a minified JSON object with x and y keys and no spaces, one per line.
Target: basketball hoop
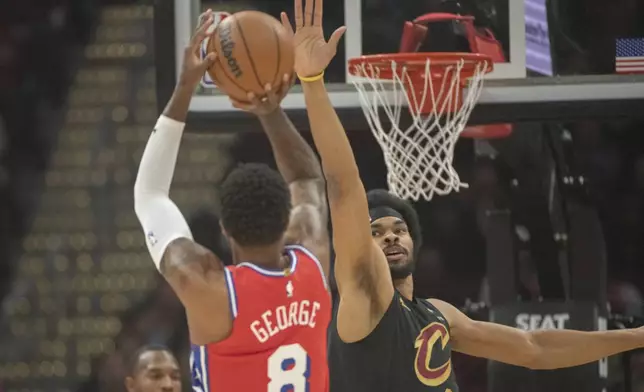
{"x":440,"y":90}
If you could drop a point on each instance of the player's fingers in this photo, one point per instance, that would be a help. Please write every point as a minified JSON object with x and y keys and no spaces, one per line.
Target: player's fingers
{"x":286,"y":23}
{"x":308,"y":12}
{"x":317,"y":12}
{"x":334,"y":40}
{"x":254,"y":100}
{"x":202,"y":32}
{"x":243,"y":105}
{"x":268,"y":91}
{"x":208,"y":61}
{"x":203,"y":29}
{"x":271,"y":94}
{"x":299,"y":18}
{"x":287,"y":83}
{"x":203,"y":17}
{"x":286,"y":80}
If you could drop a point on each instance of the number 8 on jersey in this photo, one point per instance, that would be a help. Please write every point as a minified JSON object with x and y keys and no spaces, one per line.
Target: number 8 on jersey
{"x":289,"y":369}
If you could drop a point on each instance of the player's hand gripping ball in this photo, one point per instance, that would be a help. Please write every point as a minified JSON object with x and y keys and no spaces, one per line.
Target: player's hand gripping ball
{"x":193,"y":67}
{"x":312,"y":52}
{"x":253,"y":50}
{"x":270,"y":101}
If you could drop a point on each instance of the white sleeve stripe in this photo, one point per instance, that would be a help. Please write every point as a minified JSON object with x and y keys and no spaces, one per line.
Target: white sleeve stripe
{"x":315,"y":259}
{"x":204,"y":368}
{"x":232,"y":294}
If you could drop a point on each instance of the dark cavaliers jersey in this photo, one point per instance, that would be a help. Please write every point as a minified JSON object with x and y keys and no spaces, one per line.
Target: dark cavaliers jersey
{"x":278,"y":342}
{"x":409,"y":351}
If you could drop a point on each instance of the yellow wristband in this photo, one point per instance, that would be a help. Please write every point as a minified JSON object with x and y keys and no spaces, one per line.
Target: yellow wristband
{"x":314,"y":78}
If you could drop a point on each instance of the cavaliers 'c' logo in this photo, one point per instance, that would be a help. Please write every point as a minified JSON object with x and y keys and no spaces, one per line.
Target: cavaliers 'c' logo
{"x":424,"y":344}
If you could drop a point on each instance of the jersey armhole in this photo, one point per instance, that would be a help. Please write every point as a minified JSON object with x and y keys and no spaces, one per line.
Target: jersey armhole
{"x":199,"y":368}
{"x":232,"y":293}
{"x":315,"y":259}
{"x":437,"y":312}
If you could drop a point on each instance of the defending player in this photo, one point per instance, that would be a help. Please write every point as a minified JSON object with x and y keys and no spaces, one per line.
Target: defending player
{"x":383,"y":338}
{"x":261,"y":324}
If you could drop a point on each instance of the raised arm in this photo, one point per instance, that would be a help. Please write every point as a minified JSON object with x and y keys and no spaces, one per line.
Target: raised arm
{"x":361,"y":269}
{"x":547,"y":349}
{"x":300,"y":168}
{"x":195,"y":274}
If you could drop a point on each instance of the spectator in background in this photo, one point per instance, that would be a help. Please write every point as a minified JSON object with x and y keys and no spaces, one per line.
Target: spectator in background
{"x":153,"y":369}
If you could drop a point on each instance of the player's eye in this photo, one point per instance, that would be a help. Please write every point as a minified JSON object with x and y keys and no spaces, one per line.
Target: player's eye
{"x":155,"y":375}
{"x":374,"y":233}
{"x":400,"y":231}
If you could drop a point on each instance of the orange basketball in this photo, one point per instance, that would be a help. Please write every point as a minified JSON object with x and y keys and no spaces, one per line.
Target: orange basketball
{"x":253,"y":49}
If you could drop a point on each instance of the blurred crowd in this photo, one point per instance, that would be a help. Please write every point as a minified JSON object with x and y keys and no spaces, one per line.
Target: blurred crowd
{"x":39,"y":46}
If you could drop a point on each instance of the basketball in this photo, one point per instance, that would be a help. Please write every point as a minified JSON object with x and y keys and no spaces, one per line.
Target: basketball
{"x":253,"y":49}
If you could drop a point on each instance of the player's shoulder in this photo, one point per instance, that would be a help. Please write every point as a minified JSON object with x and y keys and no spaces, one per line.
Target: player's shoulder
{"x":305,"y":259}
{"x":300,"y":259}
{"x":303,"y":264}
{"x":300,"y":250}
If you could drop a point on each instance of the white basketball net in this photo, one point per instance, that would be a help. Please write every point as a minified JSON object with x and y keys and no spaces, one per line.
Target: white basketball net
{"x":419,"y":157}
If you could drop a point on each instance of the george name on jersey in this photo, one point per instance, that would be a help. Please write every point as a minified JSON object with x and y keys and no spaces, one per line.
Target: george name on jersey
{"x":297,"y":313}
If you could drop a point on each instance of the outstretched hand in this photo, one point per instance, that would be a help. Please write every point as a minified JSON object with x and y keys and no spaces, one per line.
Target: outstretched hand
{"x":268,"y":103}
{"x":312,"y":52}
{"x":193,"y":67}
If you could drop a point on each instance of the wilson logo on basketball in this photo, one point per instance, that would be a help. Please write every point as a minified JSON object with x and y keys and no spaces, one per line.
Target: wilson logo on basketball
{"x":425,"y":343}
{"x":227,"y":46}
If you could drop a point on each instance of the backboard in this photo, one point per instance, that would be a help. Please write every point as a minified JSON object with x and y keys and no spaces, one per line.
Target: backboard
{"x":560,"y":57}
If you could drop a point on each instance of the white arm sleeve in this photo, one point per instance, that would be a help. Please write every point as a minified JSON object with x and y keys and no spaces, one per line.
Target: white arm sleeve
{"x":160,"y":218}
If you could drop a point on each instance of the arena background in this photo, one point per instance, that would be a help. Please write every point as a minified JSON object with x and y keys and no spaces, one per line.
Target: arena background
{"x":78,"y":97}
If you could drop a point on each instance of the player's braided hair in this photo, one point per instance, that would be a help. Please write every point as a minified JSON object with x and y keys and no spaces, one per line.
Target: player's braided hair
{"x":255,"y":205}
{"x":382,"y":198}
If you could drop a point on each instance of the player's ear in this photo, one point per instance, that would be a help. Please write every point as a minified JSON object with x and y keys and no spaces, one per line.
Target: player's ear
{"x":129,"y":384}
{"x":223,"y":230}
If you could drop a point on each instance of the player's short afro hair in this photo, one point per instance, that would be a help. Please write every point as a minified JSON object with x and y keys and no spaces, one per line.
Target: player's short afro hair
{"x":255,"y":205}
{"x":382,"y":198}
{"x":134,"y":364}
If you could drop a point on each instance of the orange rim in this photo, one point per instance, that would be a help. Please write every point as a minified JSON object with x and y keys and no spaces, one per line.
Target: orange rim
{"x":380,"y":65}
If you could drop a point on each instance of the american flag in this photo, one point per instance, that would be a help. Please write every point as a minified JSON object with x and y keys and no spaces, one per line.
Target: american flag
{"x":629,"y":56}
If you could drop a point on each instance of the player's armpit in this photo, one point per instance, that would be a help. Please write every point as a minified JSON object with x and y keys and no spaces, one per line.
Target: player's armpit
{"x":366,"y":292}
{"x":360,"y":263}
{"x":197,"y":277}
{"x":308,"y":225}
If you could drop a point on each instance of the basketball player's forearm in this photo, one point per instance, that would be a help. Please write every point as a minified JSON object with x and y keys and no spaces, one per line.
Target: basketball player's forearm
{"x":161,"y":220}
{"x":160,"y":155}
{"x":295,"y":158}
{"x":330,"y":138}
{"x":159,"y":158}
{"x":179,"y":103}
{"x":566,"y":348}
